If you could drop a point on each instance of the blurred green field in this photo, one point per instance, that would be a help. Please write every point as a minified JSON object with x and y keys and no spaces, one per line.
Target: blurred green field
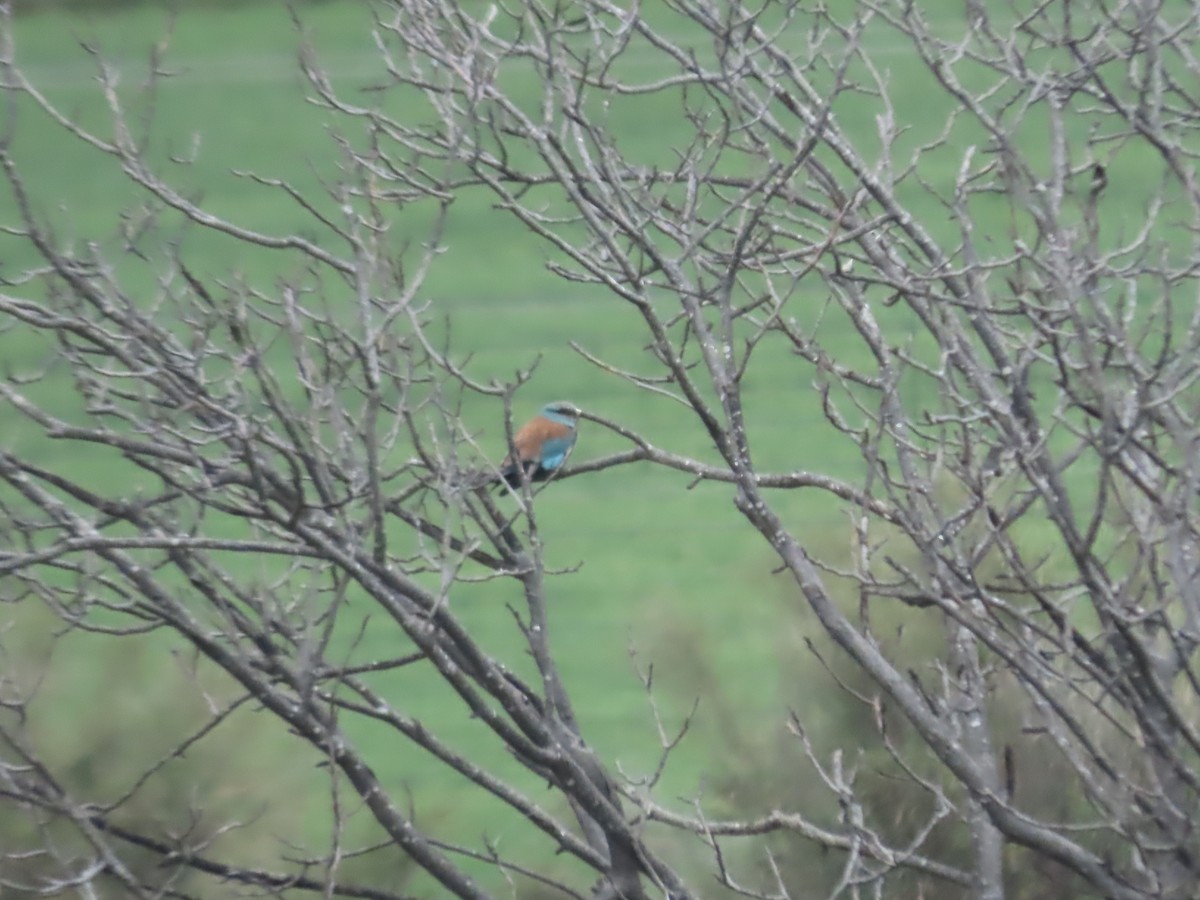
{"x":663,"y":570}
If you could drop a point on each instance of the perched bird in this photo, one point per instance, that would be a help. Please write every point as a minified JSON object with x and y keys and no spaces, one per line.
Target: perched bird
{"x":542,"y":444}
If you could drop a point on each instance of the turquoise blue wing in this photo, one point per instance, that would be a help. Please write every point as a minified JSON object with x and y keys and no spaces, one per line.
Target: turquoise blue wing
{"x":555,"y":450}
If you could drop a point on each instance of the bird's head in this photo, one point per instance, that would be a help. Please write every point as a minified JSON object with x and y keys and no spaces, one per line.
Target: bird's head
{"x":561,"y":411}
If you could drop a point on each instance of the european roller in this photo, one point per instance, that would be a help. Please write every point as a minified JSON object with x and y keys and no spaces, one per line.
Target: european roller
{"x":542,"y":444}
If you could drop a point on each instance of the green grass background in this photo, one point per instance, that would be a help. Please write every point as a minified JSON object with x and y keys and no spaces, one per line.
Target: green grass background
{"x":666,"y":574}
{"x":664,"y":570}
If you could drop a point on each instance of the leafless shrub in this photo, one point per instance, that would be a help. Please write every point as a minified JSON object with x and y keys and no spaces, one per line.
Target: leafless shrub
{"x":1015,"y":369}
